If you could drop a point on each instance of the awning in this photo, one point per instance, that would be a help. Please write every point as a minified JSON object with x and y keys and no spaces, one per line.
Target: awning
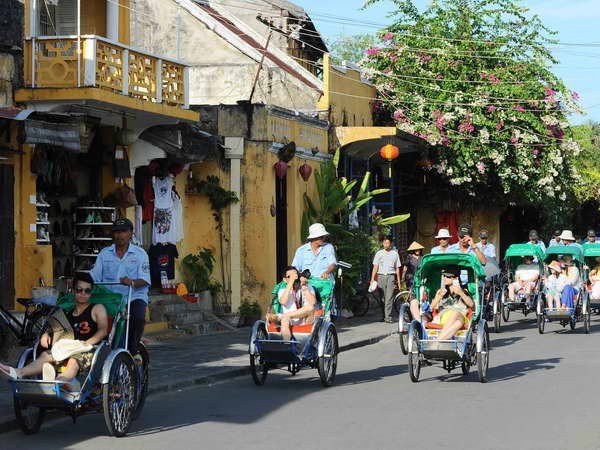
{"x":14,"y":113}
{"x":74,"y":133}
{"x":184,"y":141}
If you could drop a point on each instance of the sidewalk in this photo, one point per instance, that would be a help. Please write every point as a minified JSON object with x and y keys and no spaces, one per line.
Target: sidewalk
{"x":185,"y":361}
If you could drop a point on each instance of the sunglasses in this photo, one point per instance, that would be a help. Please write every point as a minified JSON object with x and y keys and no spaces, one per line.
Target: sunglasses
{"x":449,"y":276}
{"x":83,"y":290}
{"x":443,"y":239}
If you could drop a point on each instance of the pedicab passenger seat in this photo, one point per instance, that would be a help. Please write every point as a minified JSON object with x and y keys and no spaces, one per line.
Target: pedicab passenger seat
{"x":324,"y":291}
{"x":472,"y":288}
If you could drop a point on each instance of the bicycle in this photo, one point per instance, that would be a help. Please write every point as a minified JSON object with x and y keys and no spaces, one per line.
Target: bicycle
{"x":25,"y":332}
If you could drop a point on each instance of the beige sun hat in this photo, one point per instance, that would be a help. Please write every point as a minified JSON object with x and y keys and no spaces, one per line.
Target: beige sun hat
{"x":567,"y":235}
{"x":443,"y":233}
{"x":415,"y":246}
{"x":555,"y":265}
{"x":316,"y":230}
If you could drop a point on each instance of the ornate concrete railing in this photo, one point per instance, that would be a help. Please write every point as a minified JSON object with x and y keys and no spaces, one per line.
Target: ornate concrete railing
{"x":55,"y":62}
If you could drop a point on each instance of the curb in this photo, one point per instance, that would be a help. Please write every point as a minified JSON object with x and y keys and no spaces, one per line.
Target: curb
{"x":205,"y":380}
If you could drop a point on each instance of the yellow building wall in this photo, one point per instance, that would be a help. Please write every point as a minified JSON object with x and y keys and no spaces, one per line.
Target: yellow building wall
{"x":347,"y":98}
{"x":93,"y":17}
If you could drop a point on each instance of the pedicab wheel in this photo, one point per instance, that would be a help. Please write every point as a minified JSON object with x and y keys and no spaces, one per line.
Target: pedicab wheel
{"x":404,"y":343}
{"x":541,"y":322}
{"x":399,"y":299}
{"x":414,"y":361}
{"x":119,"y":395}
{"x":497,"y":322}
{"x":505,"y":313}
{"x":258,"y":368}
{"x":29,"y":418}
{"x":143,"y":376}
{"x":328,"y":362}
{"x":483,"y":358}
{"x":587,"y":323}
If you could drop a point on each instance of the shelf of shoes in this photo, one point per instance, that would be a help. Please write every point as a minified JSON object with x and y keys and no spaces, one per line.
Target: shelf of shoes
{"x":41,"y":222}
{"x":91,"y":233}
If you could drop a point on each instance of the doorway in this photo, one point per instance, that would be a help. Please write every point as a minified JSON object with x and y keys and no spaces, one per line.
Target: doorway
{"x":7,"y":235}
{"x":281,"y":231}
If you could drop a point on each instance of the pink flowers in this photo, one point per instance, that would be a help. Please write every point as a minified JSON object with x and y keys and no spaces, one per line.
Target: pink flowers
{"x":440,"y":120}
{"x":575,"y":96}
{"x":424,"y":57}
{"x":372,"y":51}
{"x":480,"y":167}
{"x":519,"y":108}
{"x":500,"y":125}
{"x":466,"y":127}
{"x":491,"y":78}
{"x":491,"y":108}
{"x":445,"y":141}
{"x":388,"y":36}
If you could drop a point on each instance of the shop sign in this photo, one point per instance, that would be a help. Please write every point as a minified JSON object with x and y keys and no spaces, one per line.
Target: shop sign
{"x":74,"y":135}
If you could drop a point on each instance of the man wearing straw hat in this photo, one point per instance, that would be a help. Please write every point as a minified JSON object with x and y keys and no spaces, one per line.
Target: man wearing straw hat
{"x":568,"y":238}
{"x":316,"y":255}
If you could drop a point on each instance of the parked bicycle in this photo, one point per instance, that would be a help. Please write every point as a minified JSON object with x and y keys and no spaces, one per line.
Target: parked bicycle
{"x":24,"y":332}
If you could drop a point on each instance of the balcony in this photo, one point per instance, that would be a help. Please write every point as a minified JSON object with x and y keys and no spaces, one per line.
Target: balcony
{"x":55,"y":62}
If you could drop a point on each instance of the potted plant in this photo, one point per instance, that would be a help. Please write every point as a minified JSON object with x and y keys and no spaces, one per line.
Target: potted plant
{"x":249,"y":313}
{"x":197,"y":269}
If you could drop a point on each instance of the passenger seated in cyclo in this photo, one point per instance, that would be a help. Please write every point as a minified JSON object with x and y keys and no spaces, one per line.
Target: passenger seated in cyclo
{"x":526,"y":278}
{"x":70,"y":345}
{"x":555,"y":284}
{"x":298,"y":302}
{"x":451,"y":303}
{"x":594,"y":278}
{"x":573,"y":286}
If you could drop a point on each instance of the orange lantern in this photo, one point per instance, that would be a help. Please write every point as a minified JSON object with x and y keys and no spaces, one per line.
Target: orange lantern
{"x":389,"y":152}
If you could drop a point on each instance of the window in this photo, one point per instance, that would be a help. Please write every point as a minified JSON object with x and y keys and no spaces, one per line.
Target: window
{"x":58,"y":19}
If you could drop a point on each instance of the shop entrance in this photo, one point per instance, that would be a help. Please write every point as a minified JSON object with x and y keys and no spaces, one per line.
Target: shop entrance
{"x":7,"y":235}
{"x":281,"y":225}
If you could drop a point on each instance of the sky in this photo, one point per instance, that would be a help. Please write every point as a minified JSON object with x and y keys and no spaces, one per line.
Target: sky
{"x":576,"y":21}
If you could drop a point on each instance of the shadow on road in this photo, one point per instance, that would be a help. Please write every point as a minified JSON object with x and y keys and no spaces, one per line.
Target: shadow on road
{"x":371,"y":375}
{"x":503,"y":342}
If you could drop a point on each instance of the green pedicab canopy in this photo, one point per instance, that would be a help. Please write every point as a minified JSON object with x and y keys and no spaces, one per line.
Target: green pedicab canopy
{"x":323,"y":288}
{"x":590,"y":253}
{"x":554,"y":252}
{"x":515,"y":252}
{"x":429,"y":274}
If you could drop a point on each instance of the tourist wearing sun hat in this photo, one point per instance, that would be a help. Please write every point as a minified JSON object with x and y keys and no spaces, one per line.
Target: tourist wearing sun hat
{"x":316,"y":255}
{"x":554,"y":285}
{"x":411,"y":262}
{"x":567,"y":237}
{"x":443,"y":238}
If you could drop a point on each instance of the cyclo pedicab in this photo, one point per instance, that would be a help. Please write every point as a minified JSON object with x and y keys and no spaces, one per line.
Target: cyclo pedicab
{"x":312,"y":345}
{"x":115,"y":384}
{"x":526,"y":303}
{"x":470,"y":346}
{"x":591,"y":252}
{"x":581,"y":310}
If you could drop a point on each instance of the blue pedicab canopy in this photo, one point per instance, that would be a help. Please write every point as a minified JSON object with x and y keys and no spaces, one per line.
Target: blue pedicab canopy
{"x":515,"y":252}
{"x":429,"y":274}
{"x":556,"y":251}
{"x":323,"y":288}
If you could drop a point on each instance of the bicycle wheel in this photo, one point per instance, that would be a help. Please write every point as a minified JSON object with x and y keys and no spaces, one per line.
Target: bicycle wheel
{"x":400,"y":298}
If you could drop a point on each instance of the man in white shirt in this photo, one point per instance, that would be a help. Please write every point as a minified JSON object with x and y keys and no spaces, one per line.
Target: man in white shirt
{"x":556,"y":239}
{"x":487,"y":248}
{"x":526,"y":277}
{"x":386,"y":269}
{"x":298,"y":301}
{"x":534,"y":239}
{"x":443,"y":239}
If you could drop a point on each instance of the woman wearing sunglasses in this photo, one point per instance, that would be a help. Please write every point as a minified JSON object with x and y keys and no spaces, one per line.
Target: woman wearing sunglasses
{"x":89,"y":323}
{"x":451,"y":302}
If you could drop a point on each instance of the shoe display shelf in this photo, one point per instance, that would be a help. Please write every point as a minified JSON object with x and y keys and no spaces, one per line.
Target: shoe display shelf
{"x":42,"y":223}
{"x":92,"y":232}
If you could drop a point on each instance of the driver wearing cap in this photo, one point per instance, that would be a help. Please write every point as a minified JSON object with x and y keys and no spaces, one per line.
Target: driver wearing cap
{"x":466,"y":244}
{"x":487,"y":248}
{"x":128,"y":265}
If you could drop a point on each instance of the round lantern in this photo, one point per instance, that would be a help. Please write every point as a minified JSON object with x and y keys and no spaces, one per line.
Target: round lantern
{"x":305,"y":171}
{"x":389,"y":152}
{"x":281,"y":168}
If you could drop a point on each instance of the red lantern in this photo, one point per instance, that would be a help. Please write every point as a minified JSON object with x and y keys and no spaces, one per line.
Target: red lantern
{"x":389,"y":152}
{"x":281,"y":168}
{"x":305,"y":171}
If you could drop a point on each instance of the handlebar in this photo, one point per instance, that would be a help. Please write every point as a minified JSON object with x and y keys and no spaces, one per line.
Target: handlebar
{"x":344,"y":265}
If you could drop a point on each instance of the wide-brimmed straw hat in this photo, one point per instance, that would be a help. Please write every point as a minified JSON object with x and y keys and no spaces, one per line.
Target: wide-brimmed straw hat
{"x":414,"y":246}
{"x":443,"y":233}
{"x":316,"y":230}
{"x":567,"y":235}
{"x":555,"y":265}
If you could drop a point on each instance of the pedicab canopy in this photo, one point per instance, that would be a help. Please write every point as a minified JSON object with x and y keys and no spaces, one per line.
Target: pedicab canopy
{"x":323,"y":288}
{"x":556,"y":251}
{"x":515,"y":252}
{"x":429,"y":274}
{"x":590,"y":245}
{"x":590,"y":252}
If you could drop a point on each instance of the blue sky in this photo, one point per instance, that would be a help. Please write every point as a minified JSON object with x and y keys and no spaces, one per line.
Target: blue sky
{"x":576,"y":21}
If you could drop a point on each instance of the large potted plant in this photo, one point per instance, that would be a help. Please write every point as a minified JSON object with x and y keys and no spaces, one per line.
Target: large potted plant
{"x":249,"y":313}
{"x":197,"y":269}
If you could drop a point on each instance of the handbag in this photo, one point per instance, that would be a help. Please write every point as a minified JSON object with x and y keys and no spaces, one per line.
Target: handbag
{"x":121,"y":167}
{"x":124,"y":197}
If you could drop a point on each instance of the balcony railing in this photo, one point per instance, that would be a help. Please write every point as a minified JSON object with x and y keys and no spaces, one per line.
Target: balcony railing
{"x":55,"y":62}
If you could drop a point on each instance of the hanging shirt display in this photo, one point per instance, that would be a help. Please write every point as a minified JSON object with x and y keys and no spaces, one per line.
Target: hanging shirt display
{"x":177,"y":216}
{"x":162,"y":258}
{"x":163,"y":230}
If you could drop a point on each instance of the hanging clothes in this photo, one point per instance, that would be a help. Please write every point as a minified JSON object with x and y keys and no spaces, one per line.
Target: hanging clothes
{"x":163,"y":230}
{"x":177,"y":216}
{"x":148,"y":203}
{"x":162,"y":258}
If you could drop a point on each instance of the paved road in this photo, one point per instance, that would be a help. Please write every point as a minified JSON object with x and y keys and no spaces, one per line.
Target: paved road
{"x":542,"y":394}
